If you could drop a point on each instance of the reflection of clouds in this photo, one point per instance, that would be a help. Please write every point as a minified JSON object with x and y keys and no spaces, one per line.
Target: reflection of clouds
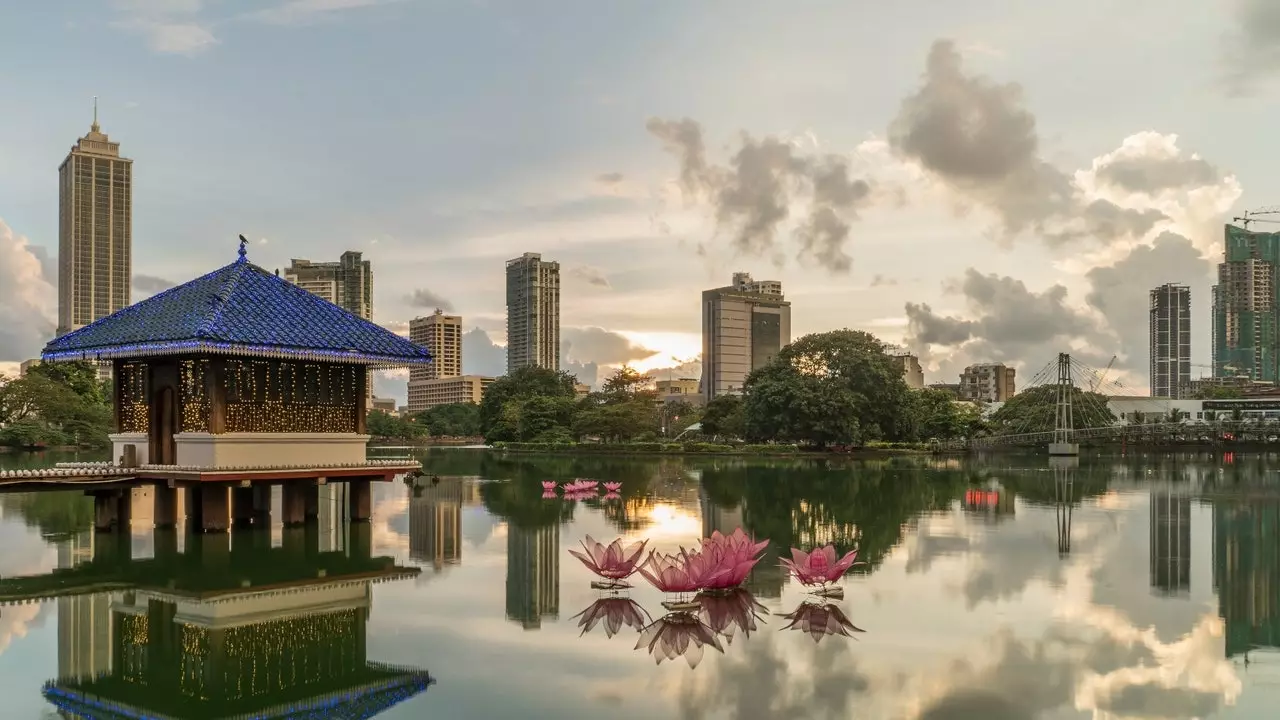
{"x":17,"y":619}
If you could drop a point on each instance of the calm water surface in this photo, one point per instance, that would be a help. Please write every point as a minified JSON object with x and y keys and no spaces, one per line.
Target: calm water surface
{"x":1135,"y":587}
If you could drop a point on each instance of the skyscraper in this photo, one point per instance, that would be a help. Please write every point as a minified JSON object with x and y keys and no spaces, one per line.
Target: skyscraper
{"x":347,"y":283}
{"x":442,"y":335}
{"x":1170,"y":329}
{"x":533,"y":313}
{"x":744,"y":325}
{"x":1245,"y":307}
{"x":95,"y":230}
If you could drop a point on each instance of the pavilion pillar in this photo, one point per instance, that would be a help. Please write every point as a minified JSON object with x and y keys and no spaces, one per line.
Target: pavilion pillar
{"x":242,"y":505}
{"x":360,"y":496}
{"x":311,"y":501}
{"x":360,"y":541}
{"x":293,"y":541}
{"x":112,"y":510}
{"x":166,"y":506}
{"x":215,"y":508}
{"x":262,"y":504}
{"x":166,"y":543}
{"x":293,"y":504}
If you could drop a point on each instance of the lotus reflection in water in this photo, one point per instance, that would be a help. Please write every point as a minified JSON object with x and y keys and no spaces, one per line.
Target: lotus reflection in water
{"x":678,"y":634}
{"x":819,"y":569}
{"x":616,"y":612}
{"x":728,"y":612}
{"x":820,"y":620}
{"x":614,"y":562}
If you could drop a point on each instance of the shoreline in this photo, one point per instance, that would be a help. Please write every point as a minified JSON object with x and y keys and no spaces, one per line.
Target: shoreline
{"x":789,"y":453}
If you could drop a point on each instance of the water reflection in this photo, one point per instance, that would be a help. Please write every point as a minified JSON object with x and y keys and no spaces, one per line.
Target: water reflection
{"x":678,"y":634}
{"x":820,"y":620}
{"x":228,"y":627}
{"x":617,"y":612}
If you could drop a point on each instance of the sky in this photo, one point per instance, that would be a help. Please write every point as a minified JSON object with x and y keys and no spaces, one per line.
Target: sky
{"x":980,"y":181}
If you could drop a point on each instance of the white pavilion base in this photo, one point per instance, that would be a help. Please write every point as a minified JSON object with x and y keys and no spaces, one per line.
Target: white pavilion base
{"x":119,"y":440}
{"x":270,"y":449}
{"x":1064,"y":449}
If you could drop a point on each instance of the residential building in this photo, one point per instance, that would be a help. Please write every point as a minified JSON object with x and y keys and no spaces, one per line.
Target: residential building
{"x":347,"y":283}
{"x":95,"y":230}
{"x":581,"y":390}
{"x":912,"y":373}
{"x":989,"y":382}
{"x":533,"y":313}
{"x":442,"y":335}
{"x":679,"y":390}
{"x":425,"y":394}
{"x":386,"y":405}
{"x":1245,"y":306}
{"x":1170,"y":328}
{"x":744,"y":325}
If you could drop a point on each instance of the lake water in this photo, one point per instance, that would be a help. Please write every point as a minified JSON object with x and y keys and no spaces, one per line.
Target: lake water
{"x":1146,"y":586}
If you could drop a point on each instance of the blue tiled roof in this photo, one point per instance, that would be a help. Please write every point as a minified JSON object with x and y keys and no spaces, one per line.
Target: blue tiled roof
{"x":240,"y":309}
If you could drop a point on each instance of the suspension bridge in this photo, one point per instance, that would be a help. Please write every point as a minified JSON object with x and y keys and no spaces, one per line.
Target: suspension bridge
{"x":1069,"y":403}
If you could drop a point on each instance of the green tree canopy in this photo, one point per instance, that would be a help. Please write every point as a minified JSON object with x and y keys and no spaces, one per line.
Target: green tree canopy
{"x":523,"y":383}
{"x":1035,"y":410}
{"x":453,"y":420}
{"x":836,"y":387}
{"x":723,"y":417}
{"x":939,"y":416}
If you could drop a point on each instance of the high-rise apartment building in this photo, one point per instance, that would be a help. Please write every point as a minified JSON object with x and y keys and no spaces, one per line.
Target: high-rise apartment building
{"x":1170,"y":340}
{"x":912,"y":373}
{"x":1245,"y":307}
{"x":533,"y":313}
{"x":988,"y":383}
{"x":744,"y":325}
{"x":95,"y":230}
{"x":347,"y":283}
{"x":442,"y":335}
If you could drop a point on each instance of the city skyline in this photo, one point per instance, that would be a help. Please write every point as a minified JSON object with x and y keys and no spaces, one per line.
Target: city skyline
{"x":592,"y":183}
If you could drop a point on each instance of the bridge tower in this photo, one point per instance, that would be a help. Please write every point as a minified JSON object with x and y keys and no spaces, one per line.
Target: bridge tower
{"x":1064,"y":425}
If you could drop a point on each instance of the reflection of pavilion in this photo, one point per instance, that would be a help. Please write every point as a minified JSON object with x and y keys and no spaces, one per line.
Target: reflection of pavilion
{"x":435,"y":522}
{"x":1170,"y":542}
{"x":231,"y":627}
{"x":533,"y":574}
{"x":1246,"y":573}
{"x":84,"y":621}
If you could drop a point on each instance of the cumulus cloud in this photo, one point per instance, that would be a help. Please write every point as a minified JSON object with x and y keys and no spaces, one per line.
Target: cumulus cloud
{"x":481,"y":355}
{"x":1252,"y":46}
{"x":597,"y":345}
{"x":590,"y":275}
{"x":752,"y":196}
{"x":424,"y":298}
{"x":976,"y":136}
{"x":150,"y":284}
{"x":28,"y":299}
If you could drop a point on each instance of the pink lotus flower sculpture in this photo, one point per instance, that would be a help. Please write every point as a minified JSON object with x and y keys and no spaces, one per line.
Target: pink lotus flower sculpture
{"x":736,"y":554}
{"x":613,"y":562}
{"x":613,"y":486}
{"x":616,"y":612}
{"x":727,"y":613}
{"x":548,"y":485}
{"x":672,"y":574}
{"x":820,"y":620}
{"x":678,"y":634}
{"x":820,"y":568}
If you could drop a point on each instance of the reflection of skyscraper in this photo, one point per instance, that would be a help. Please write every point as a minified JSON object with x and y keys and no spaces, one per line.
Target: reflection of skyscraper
{"x":1170,"y":542}
{"x":84,"y":621}
{"x":533,"y":574}
{"x":435,"y":523}
{"x":1246,"y":571}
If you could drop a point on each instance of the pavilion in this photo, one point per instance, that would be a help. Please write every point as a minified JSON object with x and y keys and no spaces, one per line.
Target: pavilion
{"x":240,"y":379}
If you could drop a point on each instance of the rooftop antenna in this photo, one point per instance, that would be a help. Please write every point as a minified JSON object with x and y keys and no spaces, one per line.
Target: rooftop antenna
{"x":94,"y":127}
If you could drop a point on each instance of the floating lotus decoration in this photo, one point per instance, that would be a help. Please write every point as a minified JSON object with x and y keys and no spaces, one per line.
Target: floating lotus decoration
{"x":820,"y":568}
{"x":549,"y":485}
{"x":736,"y":554}
{"x":678,"y":634}
{"x":673,"y":574}
{"x":613,"y":562}
{"x":616,"y":612}
{"x":820,"y":620}
{"x":728,"y":612}
{"x":613,"y":486}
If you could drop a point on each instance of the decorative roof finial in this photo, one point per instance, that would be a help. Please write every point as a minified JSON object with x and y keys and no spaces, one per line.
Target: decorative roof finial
{"x":244,"y":253}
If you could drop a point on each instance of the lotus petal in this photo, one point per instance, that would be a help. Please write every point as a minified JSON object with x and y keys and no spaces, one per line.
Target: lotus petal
{"x":820,"y":620}
{"x":616,"y":612}
{"x":678,"y":634}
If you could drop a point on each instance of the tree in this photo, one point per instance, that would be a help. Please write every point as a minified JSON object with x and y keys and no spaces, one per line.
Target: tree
{"x":79,"y":377}
{"x":38,"y":409}
{"x":626,"y":383}
{"x":453,"y":420}
{"x":389,"y":427}
{"x":1035,"y":410}
{"x":835,"y":387}
{"x":523,"y":383}
{"x":534,"y":418}
{"x":723,"y":417}
{"x":939,"y":416}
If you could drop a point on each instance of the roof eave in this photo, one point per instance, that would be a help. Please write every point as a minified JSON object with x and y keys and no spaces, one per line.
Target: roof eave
{"x":198,"y":347}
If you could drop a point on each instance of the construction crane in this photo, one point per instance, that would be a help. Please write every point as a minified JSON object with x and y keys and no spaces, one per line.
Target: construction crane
{"x":1252,"y":216}
{"x":1099,"y":377}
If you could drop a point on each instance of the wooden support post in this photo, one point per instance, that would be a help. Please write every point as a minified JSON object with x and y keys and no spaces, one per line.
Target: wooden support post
{"x":293,"y":504}
{"x":111,"y":510}
{"x":311,"y":497}
{"x":215,"y":508}
{"x":166,"y":506}
{"x":191,"y":501}
{"x":360,"y":494}
{"x":360,"y":541}
{"x":242,"y":506}
{"x":262,"y":504}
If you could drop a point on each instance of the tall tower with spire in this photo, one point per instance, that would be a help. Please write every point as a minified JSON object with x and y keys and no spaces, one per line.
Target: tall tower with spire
{"x":95,"y":230}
